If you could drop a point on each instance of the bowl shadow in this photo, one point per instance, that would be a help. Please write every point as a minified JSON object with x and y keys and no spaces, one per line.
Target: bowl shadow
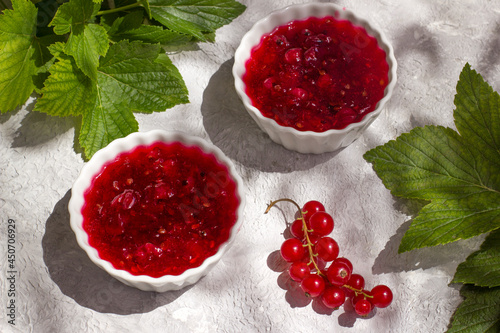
{"x":80,"y":279}
{"x":233,"y":130}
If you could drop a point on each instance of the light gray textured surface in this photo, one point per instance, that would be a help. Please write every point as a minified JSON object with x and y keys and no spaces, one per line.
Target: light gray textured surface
{"x":60,"y":290}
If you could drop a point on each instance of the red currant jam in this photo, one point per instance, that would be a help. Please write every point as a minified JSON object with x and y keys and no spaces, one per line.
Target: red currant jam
{"x":316,"y":74}
{"x":160,"y":209}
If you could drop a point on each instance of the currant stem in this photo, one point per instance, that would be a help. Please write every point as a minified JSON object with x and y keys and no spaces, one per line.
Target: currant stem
{"x":119,"y":9}
{"x":304,"y":226}
{"x":357,"y":291}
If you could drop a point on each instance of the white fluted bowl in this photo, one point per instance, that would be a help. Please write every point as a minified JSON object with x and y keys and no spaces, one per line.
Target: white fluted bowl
{"x":109,"y":153}
{"x":289,"y":137}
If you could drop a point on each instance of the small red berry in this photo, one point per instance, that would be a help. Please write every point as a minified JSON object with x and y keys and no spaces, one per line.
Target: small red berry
{"x":363,"y":307}
{"x":321,"y":223}
{"x":297,"y":229}
{"x":338,"y":273}
{"x":298,"y":271}
{"x":312,"y":207}
{"x":313,"y":285}
{"x":327,"y":249}
{"x":333,"y":297}
{"x":382,"y":296}
{"x":292,"y":250}
{"x":356,"y":282}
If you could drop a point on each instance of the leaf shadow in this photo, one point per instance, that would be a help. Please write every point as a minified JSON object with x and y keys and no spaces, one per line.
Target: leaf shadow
{"x":233,"y":130}
{"x":38,"y":128}
{"x":446,"y":257}
{"x":489,"y":58}
{"x":418,"y":39}
{"x":80,"y":279}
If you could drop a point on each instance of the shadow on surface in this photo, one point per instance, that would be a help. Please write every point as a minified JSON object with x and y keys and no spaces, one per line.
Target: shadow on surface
{"x":418,"y":39}
{"x":447,"y":256}
{"x":37,"y":128}
{"x":79,"y":278}
{"x":489,"y":59}
{"x":231,"y":128}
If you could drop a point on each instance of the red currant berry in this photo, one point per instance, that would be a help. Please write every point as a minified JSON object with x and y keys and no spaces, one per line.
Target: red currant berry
{"x":356,"y":282}
{"x":297,"y":229}
{"x":363,"y":307}
{"x":313,"y":285}
{"x":345,"y":261}
{"x":338,"y":273}
{"x":327,"y":249}
{"x":321,"y":223}
{"x":313,"y":239}
{"x":312,"y":207}
{"x":382,"y":296}
{"x":298,"y":271}
{"x":333,"y":297}
{"x":292,"y":250}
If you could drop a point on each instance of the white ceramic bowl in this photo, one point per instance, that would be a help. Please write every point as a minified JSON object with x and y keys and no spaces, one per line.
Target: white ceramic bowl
{"x":94,"y":167}
{"x":308,"y":141}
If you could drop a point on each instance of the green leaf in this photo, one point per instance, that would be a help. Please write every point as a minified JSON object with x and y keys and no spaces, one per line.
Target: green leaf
{"x":482,"y":268}
{"x":130,"y":27}
{"x":87,"y":41}
{"x":195,"y":17}
{"x":86,"y":45}
{"x":482,"y":128}
{"x":444,"y":221}
{"x":131,"y":77}
{"x":67,"y":90}
{"x":444,"y":167}
{"x":479,"y":313}
{"x":152,"y":34}
{"x":21,"y":54}
{"x":109,"y":119}
{"x":73,"y":14}
{"x":131,"y":72}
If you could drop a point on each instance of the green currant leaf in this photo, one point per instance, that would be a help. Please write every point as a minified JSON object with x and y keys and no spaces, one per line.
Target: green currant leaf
{"x":130,"y":27}
{"x":130,"y":71}
{"x":22,"y":55}
{"x":482,"y":128}
{"x":482,"y":268}
{"x":132,"y":76}
{"x":67,"y":90}
{"x":479,"y":313}
{"x":437,"y":164}
{"x":109,"y":119}
{"x":114,"y":24}
{"x":195,"y":17}
{"x":152,"y":34}
{"x":73,"y":14}
{"x":86,"y":44}
{"x":87,"y":41}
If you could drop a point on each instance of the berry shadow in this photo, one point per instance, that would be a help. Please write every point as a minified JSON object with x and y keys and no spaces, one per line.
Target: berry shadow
{"x":233,"y":130}
{"x":80,"y":279}
{"x":348,"y":317}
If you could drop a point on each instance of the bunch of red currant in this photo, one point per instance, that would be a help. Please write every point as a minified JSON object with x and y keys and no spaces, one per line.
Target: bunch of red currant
{"x":310,"y":251}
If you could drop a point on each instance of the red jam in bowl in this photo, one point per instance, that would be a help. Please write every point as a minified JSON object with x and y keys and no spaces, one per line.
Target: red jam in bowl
{"x":160,"y":209}
{"x":316,"y":74}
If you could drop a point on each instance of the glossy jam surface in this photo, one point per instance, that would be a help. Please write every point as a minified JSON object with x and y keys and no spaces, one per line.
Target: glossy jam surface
{"x":316,"y":74}
{"x":160,"y":209}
